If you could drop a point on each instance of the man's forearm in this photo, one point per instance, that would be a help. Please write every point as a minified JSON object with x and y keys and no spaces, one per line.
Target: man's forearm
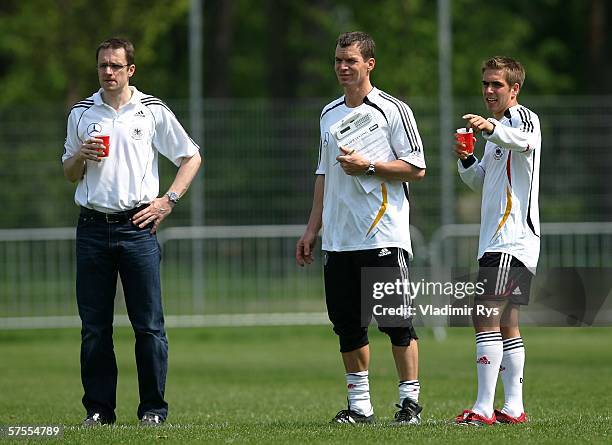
{"x":185,"y":174}
{"x":399,"y":170}
{"x":74,"y":168}
{"x":316,"y":214}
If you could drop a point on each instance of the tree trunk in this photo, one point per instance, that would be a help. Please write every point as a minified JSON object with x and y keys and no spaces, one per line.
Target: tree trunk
{"x":221,"y":27}
{"x":600,"y":73}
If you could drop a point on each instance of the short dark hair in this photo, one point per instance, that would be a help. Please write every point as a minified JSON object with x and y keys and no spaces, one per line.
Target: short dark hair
{"x":364,"y":42}
{"x":116,"y":43}
{"x":513,"y":70}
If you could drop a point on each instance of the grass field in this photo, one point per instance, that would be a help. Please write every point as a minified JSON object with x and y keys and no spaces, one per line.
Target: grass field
{"x":283,"y":384}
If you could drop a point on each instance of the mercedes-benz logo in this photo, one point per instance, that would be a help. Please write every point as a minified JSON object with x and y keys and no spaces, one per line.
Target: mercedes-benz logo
{"x":94,"y":128}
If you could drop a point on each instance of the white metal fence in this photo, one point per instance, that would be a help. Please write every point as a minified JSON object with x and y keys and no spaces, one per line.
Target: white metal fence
{"x":245,"y":275}
{"x":562,"y":245}
{"x":211,"y":275}
{"x":565,"y":249}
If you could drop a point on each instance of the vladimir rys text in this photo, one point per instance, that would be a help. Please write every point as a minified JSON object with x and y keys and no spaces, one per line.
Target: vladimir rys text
{"x":410,"y":290}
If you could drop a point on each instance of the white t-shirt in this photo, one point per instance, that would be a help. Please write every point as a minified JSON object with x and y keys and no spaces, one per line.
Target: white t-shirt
{"x":353,"y":219}
{"x":509,"y":177}
{"x":138,"y":131}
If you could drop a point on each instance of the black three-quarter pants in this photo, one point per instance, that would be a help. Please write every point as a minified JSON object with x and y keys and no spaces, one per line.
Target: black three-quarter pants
{"x":349,"y":277}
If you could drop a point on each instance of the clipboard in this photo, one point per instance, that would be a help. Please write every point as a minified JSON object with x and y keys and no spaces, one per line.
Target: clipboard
{"x":350,"y":124}
{"x":360,"y":131}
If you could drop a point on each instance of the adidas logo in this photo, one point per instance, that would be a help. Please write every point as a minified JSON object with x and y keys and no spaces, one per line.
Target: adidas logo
{"x":384,"y":252}
{"x":139,"y":114}
{"x":483,"y":360}
{"x":517,"y":291}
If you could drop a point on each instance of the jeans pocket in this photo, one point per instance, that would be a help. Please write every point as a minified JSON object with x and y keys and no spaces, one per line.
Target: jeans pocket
{"x":132,"y":226}
{"x":85,"y":220}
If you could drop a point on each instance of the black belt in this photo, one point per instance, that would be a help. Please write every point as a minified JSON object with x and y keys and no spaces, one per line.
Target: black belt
{"x":110,"y":218}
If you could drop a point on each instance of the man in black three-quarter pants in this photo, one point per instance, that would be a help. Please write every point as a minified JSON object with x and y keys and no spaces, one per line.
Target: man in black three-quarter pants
{"x":366,"y":227}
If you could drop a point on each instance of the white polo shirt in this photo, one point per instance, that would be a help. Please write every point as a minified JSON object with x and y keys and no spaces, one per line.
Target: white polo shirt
{"x":509,"y":177}
{"x":138,"y":131}
{"x":352,"y":218}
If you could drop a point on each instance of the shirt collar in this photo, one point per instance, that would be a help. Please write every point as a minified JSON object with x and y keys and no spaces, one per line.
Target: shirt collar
{"x":136,"y":96}
{"x":366,"y":98}
{"x":508,"y":112}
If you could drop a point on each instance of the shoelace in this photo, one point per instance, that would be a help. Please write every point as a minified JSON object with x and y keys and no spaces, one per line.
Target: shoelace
{"x":469,"y":417}
{"x":344,"y":416}
{"x":463,"y":416}
{"x":403,"y":415}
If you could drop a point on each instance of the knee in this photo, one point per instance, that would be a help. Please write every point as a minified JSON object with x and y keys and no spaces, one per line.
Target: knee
{"x":148,"y":323}
{"x":400,"y":336}
{"x":149,"y":331}
{"x":96,"y":339}
{"x":486,"y":316}
{"x":96,"y":332}
{"x":351,"y":338}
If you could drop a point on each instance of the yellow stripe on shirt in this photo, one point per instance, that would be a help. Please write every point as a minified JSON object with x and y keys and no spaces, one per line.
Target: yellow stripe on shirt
{"x":382,"y":210}
{"x":507,"y":212}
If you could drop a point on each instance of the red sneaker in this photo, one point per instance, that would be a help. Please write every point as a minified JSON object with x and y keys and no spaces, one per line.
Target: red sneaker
{"x":469,"y":417}
{"x":506,"y":418}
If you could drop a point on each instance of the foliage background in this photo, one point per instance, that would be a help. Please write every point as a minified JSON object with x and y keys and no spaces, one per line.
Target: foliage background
{"x":267,"y":73}
{"x":284,"y":49}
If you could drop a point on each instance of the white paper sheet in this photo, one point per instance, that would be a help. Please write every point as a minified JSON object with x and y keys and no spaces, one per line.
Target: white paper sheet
{"x":359,"y":131}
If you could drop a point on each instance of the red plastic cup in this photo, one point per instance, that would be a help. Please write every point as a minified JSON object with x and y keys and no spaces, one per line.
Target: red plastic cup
{"x":466,"y":137}
{"x":106,"y":142}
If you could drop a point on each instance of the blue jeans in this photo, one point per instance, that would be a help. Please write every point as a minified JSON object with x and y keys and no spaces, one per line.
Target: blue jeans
{"x":104,"y":251}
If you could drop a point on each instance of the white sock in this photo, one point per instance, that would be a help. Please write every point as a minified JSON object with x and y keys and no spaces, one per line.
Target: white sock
{"x":409,"y":389}
{"x":359,"y":393}
{"x":489,"y":352}
{"x":512,"y":376}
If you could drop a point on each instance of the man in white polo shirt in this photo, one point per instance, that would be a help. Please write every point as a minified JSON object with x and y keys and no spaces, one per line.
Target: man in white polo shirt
{"x":366,"y":229}
{"x":120,"y":212}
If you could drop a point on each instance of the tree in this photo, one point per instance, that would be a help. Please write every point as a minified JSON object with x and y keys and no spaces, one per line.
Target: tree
{"x":48,"y":47}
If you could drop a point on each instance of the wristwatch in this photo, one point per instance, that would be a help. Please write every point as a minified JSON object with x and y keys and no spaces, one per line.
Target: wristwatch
{"x":173,"y":197}
{"x":371,"y":171}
